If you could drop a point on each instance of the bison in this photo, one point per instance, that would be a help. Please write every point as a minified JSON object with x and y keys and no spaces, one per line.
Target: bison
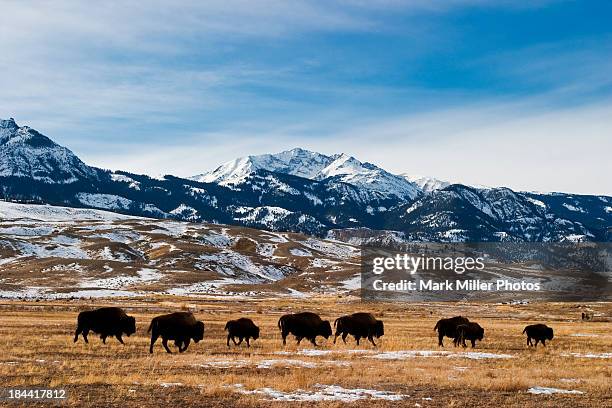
{"x":468,"y":331}
{"x":182,"y":327}
{"x":106,"y":321}
{"x":448,"y":327}
{"x":242,"y":328}
{"x":539,"y":332}
{"x":359,"y":325}
{"x":304,"y":325}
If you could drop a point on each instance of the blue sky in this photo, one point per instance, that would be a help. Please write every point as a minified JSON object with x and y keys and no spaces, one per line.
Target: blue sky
{"x":482,"y":92}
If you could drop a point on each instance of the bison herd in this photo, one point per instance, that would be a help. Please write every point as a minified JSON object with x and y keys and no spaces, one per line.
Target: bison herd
{"x":183,"y":327}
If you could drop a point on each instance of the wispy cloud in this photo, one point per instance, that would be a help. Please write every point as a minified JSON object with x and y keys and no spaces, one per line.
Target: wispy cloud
{"x":158,"y":87}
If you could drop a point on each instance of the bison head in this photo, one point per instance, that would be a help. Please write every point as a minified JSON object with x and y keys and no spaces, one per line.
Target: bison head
{"x":326,"y":329}
{"x":549,"y":333}
{"x":129,"y":325}
{"x":198,"y":332}
{"x":480,"y":333}
{"x":255,"y":333}
{"x":379,"y":328}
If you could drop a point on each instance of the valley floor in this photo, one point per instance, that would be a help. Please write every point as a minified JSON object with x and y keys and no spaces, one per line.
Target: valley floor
{"x":407,"y":369}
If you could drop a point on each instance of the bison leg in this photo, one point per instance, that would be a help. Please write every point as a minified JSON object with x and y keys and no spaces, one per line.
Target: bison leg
{"x":185,"y":345}
{"x":335,"y":337}
{"x":473,"y":343}
{"x":228,"y":340}
{"x":528,"y":341}
{"x":371,"y":340}
{"x":313,"y":341}
{"x":78,"y":331}
{"x":357,"y":338}
{"x":284,"y":334}
{"x":247,"y":341}
{"x":234,"y":340}
{"x":154,"y":337}
{"x":240,"y":340}
{"x":298,"y":340}
{"x":440,"y":337}
{"x":544,"y":342}
{"x":344,"y":335}
{"x":85,"y":333}
{"x":118,"y":336}
{"x":536,"y":343}
{"x":165,"y":344}
{"x":103,"y":337}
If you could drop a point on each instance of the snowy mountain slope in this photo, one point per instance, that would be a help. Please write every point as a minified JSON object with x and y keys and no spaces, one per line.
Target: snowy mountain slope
{"x":304,"y":192}
{"x":314,"y":166}
{"x":26,"y":153}
{"x":45,"y":212}
{"x":426,"y":184}
{"x":63,"y":252}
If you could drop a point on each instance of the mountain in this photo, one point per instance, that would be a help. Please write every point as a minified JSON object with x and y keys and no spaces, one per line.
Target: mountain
{"x":315,"y":166}
{"x":60,"y":252}
{"x":426,"y":184}
{"x":301,"y":191}
{"x":26,"y":153}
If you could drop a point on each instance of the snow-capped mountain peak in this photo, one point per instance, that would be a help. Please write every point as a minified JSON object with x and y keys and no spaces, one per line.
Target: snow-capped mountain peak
{"x":426,"y":184}
{"x":314,"y":166}
{"x":24,"y":152}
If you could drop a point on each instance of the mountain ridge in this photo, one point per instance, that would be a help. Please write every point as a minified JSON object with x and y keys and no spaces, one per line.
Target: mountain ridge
{"x":339,"y":193}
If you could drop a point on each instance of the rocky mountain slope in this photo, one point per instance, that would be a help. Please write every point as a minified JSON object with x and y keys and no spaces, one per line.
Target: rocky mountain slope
{"x":59,"y":252}
{"x":300,"y":191}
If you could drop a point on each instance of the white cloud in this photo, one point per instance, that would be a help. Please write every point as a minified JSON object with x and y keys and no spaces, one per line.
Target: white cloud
{"x":496,"y":145}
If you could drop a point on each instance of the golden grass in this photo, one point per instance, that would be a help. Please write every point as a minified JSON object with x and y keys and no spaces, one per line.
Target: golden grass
{"x":37,"y":350}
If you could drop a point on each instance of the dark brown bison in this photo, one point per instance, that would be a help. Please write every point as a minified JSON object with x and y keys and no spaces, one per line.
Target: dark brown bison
{"x":106,"y":321}
{"x":242,"y":328}
{"x":359,"y":325}
{"x":448,"y":327}
{"x":304,"y":325}
{"x":539,"y":332}
{"x":469,"y":331}
{"x":182,"y":327}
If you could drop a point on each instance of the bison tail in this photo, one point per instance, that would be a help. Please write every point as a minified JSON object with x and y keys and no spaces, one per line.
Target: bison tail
{"x":281,"y":323}
{"x":524,"y":330}
{"x":336,"y":322}
{"x":436,"y":326}
{"x":151,"y":326}
{"x":226,"y":326}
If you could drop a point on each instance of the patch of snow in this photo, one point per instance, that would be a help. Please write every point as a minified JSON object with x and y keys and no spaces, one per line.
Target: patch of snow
{"x":299,"y":252}
{"x":588,"y":355}
{"x":549,"y":391}
{"x":323,"y":393}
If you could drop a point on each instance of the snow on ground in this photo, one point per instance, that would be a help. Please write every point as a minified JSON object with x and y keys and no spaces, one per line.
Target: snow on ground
{"x":166,"y":385}
{"x":270,"y":363}
{"x":46,"y":212}
{"x":43,"y":293}
{"x":549,"y":391}
{"x":319,"y":352}
{"x":145,"y":275}
{"x":46,"y":251}
{"x":353,"y":283}
{"x":266,"y":249}
{"x":322,"y":393}
{"x":404,"y":354}
{"x":229,"y":262}
{"x":332,"y":249}
{"x":588,"y":355}
{"x":299,"y":252}
{"x":27,"y":231}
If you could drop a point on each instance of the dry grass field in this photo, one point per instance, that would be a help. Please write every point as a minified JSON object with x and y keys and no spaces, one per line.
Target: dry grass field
{"x":407,"y":369}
